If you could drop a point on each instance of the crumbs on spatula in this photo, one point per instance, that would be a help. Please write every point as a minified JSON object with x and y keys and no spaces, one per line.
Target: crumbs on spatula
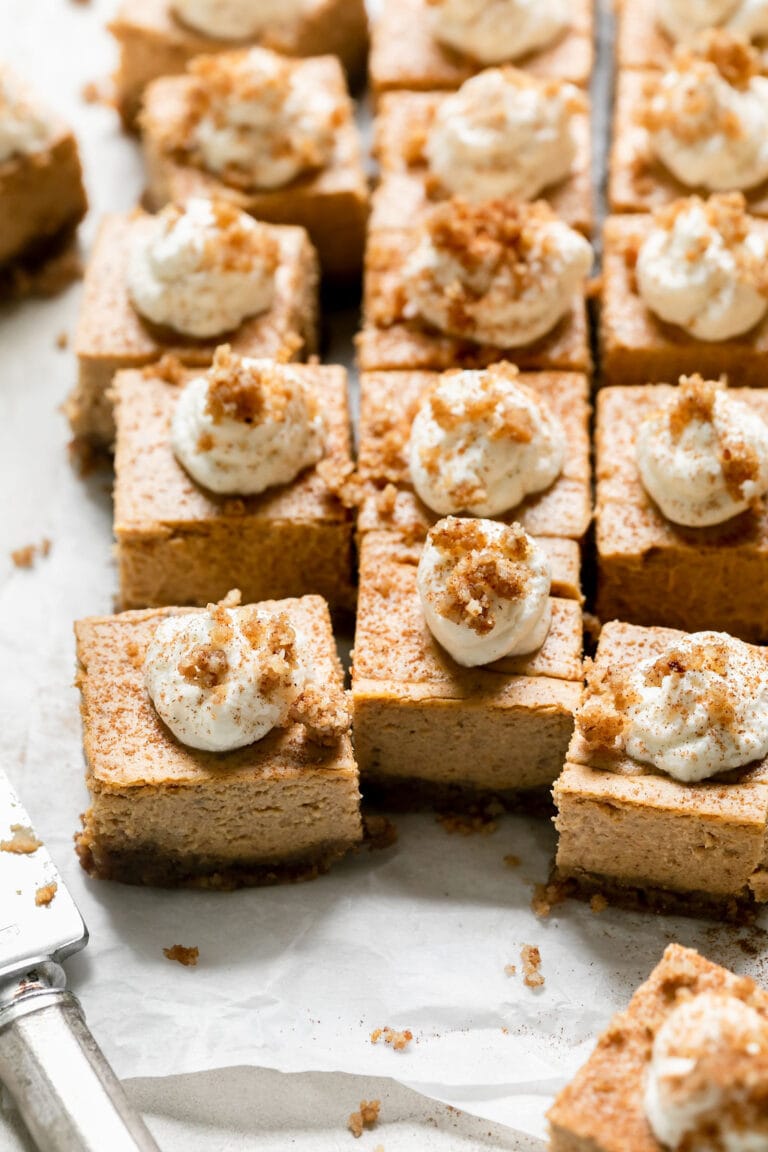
{"x":186,"y":956}
{"x":396,"y":1040}
{"x":366,"y":1117}
{"x":44,"y":895}
{"x":22,"y":843}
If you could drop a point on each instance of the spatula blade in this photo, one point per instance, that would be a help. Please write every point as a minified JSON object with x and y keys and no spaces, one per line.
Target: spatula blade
{"x":37,"y":921}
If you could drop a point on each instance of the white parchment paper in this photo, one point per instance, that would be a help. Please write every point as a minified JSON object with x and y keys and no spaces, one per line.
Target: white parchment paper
{"x":292,"y":979}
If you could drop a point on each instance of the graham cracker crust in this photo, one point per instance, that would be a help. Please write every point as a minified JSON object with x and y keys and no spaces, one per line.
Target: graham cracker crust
{"x":144,"y":868}
{"x":45,"y":268}
{"x":409,"y":793}
{"x":739,"y":910}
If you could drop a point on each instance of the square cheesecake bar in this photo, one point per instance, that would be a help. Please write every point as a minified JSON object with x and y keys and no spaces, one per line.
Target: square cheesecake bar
{"x":388,"y":404}
{"x":164,"y":813}
{"x":638,"y":348}
{"x":637,"y":180}
{"x":643,"y":837}
{"x":407,"y":189}
{"x":652,"y":571}
{"x":331,"y":203}
{"x":42,"y":201}
{"x":178,"y":543}
{"x":641,"y":42}
{"x":154,"y":42}
{"x":405,"y":55}
{"x":111,"y":334}
{"x":602,"y":1109}
{"x":430,"y":731}
{"x":392,"y":340}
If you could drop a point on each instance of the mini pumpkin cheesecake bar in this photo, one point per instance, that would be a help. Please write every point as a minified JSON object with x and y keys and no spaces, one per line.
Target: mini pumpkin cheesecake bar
{"x":467,"y":664}
{"x":684,"y":1066}
{"x":663,"y":801}
{"x":231,"y":475}
{"x":647,"y":33}
{"x":491,"y":442}
{"x":275,"y":136}
{"x":176,"y":284}
{"x":503,"y":134}
{"x":217,"y":745}
{"x":42,"y":198}
{"x":698,"y":127}
{"x":685,"y":291}
{"x":418,"y":45}
{"x":159,"y":37}
{"x":473,"y":284}
{"x":682,"y":527}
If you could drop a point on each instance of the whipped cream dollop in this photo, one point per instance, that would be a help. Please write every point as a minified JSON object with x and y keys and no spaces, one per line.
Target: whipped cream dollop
{"x":504,"y":133}
{"x":703,"y":456}
{"x":706,"y":117}
{"x":707,"y":1082}
{"x":494,"y":31}
{"x":700,"y":708}
{"x":237,"y":19}
{"x":224,"y":678}
{"x":258,"y":119}
{"x":202,"y":268}
{"x":703,"y":267}
{"x":482,"y":441}
{"x":684,"y":20}
{"x":484,"y":590}
{"x":25,"y":127}
{"x":497,"y":273}
{"x":246,"y":425}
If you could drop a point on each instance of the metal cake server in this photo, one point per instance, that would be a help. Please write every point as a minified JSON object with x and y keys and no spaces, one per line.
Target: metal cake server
{"x":68,"y":1095}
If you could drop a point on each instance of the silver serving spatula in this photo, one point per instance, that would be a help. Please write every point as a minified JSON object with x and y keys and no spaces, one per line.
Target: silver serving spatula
{"x":69,"y":1097}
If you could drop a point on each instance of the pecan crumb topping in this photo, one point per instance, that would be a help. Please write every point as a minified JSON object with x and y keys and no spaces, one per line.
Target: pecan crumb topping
{"x":206,"y":666}
{"x":237,"y":390}
{"x":480,"y":572}
{"x":531,"y":957}
{"x":233,"y":244}
{"x":695,"y":400}
{"x":726,"y":214}
{"x":492,"y":236}
{"x":182,"y":955}
{"x":397,"y":1040}
{"x":324,"y":712}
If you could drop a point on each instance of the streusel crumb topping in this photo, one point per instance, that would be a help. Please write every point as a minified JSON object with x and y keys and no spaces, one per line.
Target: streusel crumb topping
{"x":694,"y":400}
{"x":493,"y":235}
{"x":727,"y":215}
{"x":244,"y":391}
{"x":481,"y":570}
{"x":234,"y":245}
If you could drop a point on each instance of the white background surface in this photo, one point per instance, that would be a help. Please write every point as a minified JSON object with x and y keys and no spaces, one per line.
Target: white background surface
{"x":291,"y":980}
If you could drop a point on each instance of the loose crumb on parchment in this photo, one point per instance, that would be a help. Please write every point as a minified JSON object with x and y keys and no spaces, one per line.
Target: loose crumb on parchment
{"x":366,"y":1117}
{"x":396,"y":1040}
{"x":546,"y":897}
{"x":44,"y":895}
{"x":26,"y":556}
{"x":531,"y":957}
{"x":22,"y":843}
{"x":182,"y":955}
